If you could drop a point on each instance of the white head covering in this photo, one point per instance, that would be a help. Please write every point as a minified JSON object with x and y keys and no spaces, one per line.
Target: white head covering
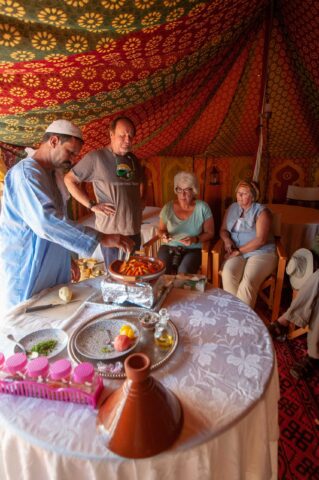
{"x":300,"y":267}
{"x":29,"y":151}
{"x":64,"y":127}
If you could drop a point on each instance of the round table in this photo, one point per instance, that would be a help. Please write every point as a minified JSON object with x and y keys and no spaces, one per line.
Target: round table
{"x":223,"y":371}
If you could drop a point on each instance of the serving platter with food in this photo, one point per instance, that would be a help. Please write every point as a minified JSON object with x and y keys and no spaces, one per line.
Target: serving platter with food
{"x":105,"y":341}
{"x":48,"y":342}
{"x":137,"y":268}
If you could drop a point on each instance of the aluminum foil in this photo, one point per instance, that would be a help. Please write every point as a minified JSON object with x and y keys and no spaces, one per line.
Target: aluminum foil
{"x":142,"y":294}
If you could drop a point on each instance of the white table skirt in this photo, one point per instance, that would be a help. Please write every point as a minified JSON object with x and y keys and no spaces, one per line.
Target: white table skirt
{"x":223,"y":372}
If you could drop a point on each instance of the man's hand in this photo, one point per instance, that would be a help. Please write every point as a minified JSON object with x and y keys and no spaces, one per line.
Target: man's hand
{"x":117,"y":240}
{"x":105,"y":208}
{"x":75,"y":271}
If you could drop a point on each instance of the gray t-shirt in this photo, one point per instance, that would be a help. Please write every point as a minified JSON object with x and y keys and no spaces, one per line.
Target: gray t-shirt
{"x":100,"y":167}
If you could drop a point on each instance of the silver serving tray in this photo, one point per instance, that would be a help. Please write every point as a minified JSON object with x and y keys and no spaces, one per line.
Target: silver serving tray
{"x":145,"y":344}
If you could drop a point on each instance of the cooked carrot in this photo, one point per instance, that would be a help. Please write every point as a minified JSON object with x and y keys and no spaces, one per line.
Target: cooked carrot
{"x":138,"y":267}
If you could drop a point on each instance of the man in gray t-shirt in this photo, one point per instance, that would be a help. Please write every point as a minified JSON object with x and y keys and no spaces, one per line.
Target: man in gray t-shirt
{"x":118,"y":184}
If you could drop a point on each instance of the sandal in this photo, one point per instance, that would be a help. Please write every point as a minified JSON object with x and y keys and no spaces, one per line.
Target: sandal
{"x":305,"y":368}
{"x":278,"y":331}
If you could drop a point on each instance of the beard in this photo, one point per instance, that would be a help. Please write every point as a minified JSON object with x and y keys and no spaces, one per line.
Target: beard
{"x":66,"y":166}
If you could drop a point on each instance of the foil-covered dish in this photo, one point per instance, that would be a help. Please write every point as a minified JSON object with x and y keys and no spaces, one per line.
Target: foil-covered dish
{"x":144,"y":294}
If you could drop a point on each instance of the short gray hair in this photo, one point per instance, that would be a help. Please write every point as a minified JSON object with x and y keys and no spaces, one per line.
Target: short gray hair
{"x":188,"y":180}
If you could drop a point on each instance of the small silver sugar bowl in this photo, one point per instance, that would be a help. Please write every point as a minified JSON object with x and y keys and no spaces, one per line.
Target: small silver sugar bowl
{"x":148,"y":320}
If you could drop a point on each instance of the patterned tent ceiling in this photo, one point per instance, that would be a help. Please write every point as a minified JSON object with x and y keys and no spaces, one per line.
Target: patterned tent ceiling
{"x":191,"y":74}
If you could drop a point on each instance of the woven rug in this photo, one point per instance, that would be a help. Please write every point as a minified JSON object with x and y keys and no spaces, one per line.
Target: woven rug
{"x":298,"y":453}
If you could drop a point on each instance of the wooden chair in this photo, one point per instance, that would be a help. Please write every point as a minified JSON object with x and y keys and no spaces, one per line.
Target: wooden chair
{"x":303,"y":196}
{"x":271,"y":288}
{"x":152,"y":246}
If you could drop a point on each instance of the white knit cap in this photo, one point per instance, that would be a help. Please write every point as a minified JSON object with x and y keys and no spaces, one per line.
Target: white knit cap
{"x":64,"y":127}
{"x":300,"y":267}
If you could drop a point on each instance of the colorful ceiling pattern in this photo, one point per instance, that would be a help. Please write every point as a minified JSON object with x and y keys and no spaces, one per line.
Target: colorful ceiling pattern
{"x":190,"y":73}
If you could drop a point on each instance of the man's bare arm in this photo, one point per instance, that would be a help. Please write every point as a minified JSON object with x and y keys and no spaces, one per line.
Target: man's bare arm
{"x":77,"y":192}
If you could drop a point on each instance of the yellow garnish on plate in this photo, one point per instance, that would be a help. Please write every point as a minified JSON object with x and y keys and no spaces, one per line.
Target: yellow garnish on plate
{"x":128,"y":331}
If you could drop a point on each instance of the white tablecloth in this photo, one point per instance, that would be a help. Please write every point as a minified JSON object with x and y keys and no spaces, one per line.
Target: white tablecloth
{"x":223,"y":372}
{"x":299,"y":226}
{"x":150,"y":222}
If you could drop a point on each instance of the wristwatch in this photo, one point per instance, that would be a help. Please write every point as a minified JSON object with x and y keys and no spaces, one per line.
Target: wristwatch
{"x":92,"y":204}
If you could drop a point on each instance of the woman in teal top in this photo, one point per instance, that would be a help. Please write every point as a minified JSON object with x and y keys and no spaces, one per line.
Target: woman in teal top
{"x":184,"y":224}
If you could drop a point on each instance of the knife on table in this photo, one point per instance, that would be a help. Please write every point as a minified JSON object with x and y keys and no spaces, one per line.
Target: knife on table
{"x":163,"y":296}
{"x":49,"y":305}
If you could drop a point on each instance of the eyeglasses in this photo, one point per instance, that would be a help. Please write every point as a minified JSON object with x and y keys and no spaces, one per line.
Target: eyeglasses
{"x":183,"y":190}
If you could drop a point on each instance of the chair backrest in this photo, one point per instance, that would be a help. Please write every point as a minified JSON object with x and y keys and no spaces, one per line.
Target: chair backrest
{"x":307,"y":196}
{"x":276,"y":224}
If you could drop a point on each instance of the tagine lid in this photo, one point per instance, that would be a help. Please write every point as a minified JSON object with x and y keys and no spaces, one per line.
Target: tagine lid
{"x":142,"y":418}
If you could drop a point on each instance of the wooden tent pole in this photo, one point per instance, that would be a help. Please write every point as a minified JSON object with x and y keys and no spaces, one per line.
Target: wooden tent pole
{"x":205,"y":177}
{"x":263,"y":90}
{"x":264,"y":74}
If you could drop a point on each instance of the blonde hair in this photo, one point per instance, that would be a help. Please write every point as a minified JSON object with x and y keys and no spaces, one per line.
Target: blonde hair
{"x":252,"y":187}
{"x":186,"y":180}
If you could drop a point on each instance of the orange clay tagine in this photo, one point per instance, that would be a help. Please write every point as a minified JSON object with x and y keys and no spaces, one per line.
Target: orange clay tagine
{"x":141,"y":418}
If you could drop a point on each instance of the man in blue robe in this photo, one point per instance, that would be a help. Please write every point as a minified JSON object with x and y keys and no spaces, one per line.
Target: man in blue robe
{"x":36,"y":238}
